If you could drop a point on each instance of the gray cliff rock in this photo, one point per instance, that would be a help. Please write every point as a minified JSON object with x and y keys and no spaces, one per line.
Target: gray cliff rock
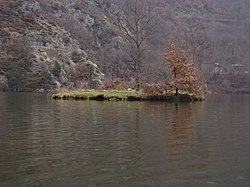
{"x":55,"y":52}
{"x":3,"y":83}
{"x":64,"y":40}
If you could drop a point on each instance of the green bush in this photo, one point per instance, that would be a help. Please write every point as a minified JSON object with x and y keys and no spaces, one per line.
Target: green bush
{"x":56,"y":70}
{"x":17,"y":74}
{"x":39,"y":79}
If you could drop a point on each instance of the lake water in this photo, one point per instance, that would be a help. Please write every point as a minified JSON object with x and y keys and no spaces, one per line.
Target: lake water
{"x":51,"y":143}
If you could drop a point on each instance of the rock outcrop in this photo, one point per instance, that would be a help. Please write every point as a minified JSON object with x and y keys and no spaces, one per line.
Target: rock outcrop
{"x":54,"y":55}
{"x":3,"y":83}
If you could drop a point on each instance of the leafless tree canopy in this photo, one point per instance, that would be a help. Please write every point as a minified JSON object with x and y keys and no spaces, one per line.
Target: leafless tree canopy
{"x":138,"y":26}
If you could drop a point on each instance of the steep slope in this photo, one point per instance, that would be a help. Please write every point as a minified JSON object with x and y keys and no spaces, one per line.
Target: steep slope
{"x":225,"y":24}
{"x":40,"y":55}
{"x":46,"y":44}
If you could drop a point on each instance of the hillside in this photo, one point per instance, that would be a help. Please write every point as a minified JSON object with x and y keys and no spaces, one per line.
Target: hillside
{"x":38,"y":54}
{"x":48,"y":44}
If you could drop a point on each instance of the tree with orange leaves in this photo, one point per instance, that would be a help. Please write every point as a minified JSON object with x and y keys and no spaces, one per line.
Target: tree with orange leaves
{"x":183,"y":70}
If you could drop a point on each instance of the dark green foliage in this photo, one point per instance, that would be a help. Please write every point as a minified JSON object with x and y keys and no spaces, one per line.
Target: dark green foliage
{"x":17,"y":74}
{"x":76,"y":56}
{"x":56,"y":70}
{"x":40,"y":79}
{"x":21,"y":79}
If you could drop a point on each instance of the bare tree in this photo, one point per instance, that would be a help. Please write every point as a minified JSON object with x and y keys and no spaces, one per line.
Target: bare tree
{"x":138,"y":26}
{"x":197,"y":43}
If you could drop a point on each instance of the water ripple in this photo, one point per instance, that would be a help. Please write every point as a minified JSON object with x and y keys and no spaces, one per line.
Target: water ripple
{"x":71,"y":143}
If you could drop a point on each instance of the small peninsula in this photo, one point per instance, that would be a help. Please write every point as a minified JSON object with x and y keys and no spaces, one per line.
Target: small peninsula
{"x":125,"y":95}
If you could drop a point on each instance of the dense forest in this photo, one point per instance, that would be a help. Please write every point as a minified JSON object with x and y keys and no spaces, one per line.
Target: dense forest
{"x":50,"y":44}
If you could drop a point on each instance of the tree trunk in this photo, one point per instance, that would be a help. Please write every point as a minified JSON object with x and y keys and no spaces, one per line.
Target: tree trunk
{"x":137,"y":82}
{"x":176,"y":91}
{"x":137,"y":77}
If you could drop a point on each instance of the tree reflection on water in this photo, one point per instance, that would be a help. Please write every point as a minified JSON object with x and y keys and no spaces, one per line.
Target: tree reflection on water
{"x":181,"y":131}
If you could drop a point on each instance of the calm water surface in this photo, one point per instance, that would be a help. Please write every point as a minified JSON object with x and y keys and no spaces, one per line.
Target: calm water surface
{"x":111,"y":144}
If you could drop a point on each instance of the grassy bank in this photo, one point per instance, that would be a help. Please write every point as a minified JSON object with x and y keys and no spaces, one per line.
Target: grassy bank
{"x":92,"y":94}
{"x":119,"y":95}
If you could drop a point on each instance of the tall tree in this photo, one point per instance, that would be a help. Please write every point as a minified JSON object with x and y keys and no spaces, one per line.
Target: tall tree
{"x":199,"y":46}
{"x":200,"y":49}
{"x":183,"y":70}
{"x":138,"y":26}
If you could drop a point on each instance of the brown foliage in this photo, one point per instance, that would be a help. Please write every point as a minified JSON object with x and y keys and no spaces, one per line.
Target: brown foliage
{"x":152,"y":89}
{"x":81,"y":76}
{"x":56,"y":5}
{"x":112,"y":84}
{"x":12,"y":50}
{"x":29,"y":17}
{"x":184,"y":72}
{"x":76,"y":56}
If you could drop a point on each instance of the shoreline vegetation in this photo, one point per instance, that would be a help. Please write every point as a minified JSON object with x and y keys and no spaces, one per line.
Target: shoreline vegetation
{"x":124,"y":95}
